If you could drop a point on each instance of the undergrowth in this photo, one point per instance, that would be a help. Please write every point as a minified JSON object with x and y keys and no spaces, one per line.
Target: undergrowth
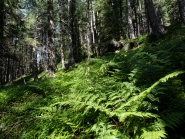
{"x":137,"y":94}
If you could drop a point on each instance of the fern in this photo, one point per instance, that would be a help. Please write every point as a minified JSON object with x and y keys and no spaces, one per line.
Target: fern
{"x":144,"y":94}
{"x":155,"y":130}
{"x":153,"y":134}
{"x":104,"y":130}
{"x":173,"y":119}
{"x":125,"y":105}
{"x":124,"y":95}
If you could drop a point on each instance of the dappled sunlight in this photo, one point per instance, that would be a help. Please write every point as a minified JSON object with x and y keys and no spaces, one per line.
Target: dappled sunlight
{"x":138,"y":94}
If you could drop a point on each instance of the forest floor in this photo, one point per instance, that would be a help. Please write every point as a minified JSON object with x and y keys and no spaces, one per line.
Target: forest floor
{"x":135,"y":94}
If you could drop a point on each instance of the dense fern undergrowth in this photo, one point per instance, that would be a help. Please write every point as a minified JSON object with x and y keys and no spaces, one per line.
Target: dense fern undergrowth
{"x":139,"y":94}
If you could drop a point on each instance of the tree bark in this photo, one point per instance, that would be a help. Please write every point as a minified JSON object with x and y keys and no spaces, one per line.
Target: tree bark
{"x":1,"y":39}
{"x":44,"y":50}
{"x":88,"y":31}
{"x":71,"y":57}
{"x":51,"y":48}
{"x":181,"y":4}
{"x":95,"y":31}
{"x":129,"y":21}
{"x":153,"y":19}
{"x":61,"y":43}
{"x":140,"y":19}
{"x":34,"y":52}
{"x":9,"y":71}
{"x":92,"y":23}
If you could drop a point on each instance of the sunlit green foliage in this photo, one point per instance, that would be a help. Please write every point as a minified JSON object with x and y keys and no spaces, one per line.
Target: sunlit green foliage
{"x":137,"y":94}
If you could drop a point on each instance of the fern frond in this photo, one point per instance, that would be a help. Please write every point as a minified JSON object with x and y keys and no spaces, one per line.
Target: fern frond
{"x":161,"y":134}
{"x":105,"y":130}
{"x":124,"y":115}
{"x":173,"y":119}
{"x":154,"y":130}
{"x":143,"y":94}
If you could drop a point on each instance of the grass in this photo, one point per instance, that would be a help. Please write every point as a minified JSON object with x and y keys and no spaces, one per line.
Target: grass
{"x":94,"y":99}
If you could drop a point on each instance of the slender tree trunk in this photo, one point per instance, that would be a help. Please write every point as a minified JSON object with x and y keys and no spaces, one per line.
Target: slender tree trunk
{"x":1,"y":26}
{"x":88,"y":31}
{"x":136,"y":18}
{"x":10,"y":79}
{"x":1,"y":39}
{"x":71,"y":57}
{"x":92,"y":23}
{"x":120,"y":8}
{"x":34,"y":52}
{"x":182,"y":10}
{"x":139,"y":22}
{"x":147,"y":28}
{"x":78,"y":41}
{"x":15,"y":65}
{"x":9,"y":72}
{"x":44,"y":50}
{"x":76,"y":36}
{"x":61,"y":43}
{"x":34,"y":64}
{"x":129,"y":20}
{"x":51,"y":48}
{"x":95,"y":31}
{"x":153,"y":19}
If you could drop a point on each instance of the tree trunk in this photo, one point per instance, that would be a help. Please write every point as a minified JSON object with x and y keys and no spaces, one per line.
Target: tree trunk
{"x":95,"y":31}
{"x":34,"y":52}
{"x":136,"y":20}
{"x":1,"y":26}
{"x":51,"y":48}
{"x":182,"y":10}
{"x":61,"y":43}
{"x":34,"y":64}
{"x":1,"y":39}
{"x":92,"y":23}
{"x":9,"y":72}
{"x":153,"y":19}
{"x":44,"y":50}
{"x":140,"y":19}
{"x":147,"y":28}
{"x":71,"y":57}
{"x":88,"y":31}
{"x":129,"y":21}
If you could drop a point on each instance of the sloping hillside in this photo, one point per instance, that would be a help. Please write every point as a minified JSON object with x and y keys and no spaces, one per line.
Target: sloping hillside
{"x":135,"y":94}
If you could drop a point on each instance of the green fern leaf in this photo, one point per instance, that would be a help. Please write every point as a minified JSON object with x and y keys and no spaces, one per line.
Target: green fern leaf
{"x":173,"y":119}
{"x":144,"y":94}
{"x":124,"y":115}
{"x":154,"y":134}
